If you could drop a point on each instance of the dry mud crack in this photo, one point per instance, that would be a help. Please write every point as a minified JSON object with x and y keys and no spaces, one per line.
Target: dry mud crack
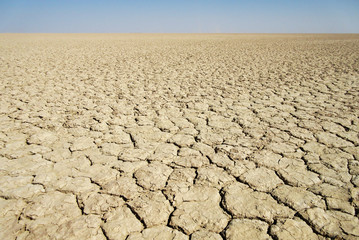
{"x":125,"y":136}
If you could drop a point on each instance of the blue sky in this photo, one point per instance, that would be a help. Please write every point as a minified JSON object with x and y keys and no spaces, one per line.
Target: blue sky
{"x":196,"y":16}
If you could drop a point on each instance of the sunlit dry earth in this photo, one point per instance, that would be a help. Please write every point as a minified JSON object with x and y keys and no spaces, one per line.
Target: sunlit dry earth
{"x":155,"y":136}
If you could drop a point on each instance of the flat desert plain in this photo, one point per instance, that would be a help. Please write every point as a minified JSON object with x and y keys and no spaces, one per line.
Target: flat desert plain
{"x":179,"y":136}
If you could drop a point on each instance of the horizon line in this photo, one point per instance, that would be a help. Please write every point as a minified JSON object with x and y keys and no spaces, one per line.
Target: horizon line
{"x":179,"y":33}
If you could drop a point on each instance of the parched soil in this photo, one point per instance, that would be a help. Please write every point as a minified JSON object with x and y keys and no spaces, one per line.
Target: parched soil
{"x":179,"y":136}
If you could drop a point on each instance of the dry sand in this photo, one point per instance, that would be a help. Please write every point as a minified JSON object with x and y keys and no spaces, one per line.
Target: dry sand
{"x":153,"y":136}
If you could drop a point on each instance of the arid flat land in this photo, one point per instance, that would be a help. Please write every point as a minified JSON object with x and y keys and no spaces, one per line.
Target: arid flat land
{"x":179,"y":136}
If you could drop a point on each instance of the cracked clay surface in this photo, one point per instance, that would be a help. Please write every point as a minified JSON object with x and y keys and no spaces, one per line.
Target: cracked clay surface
{"x":150,"y":136}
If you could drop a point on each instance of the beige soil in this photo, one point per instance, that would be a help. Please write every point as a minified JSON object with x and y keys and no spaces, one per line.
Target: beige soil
{"x":170,"y":136}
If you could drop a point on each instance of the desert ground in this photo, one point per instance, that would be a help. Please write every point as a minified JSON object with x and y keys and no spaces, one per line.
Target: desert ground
{"x":179,"y":136}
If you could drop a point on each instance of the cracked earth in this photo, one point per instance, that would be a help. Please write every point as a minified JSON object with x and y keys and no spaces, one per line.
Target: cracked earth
{"x":179,"y":136}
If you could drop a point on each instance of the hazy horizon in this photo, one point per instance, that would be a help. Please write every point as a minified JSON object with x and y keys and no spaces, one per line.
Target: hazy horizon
{"x":275,"y":16}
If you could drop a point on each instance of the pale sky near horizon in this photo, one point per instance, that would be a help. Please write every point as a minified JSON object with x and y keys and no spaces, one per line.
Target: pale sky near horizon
{"x":201,"y":16}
